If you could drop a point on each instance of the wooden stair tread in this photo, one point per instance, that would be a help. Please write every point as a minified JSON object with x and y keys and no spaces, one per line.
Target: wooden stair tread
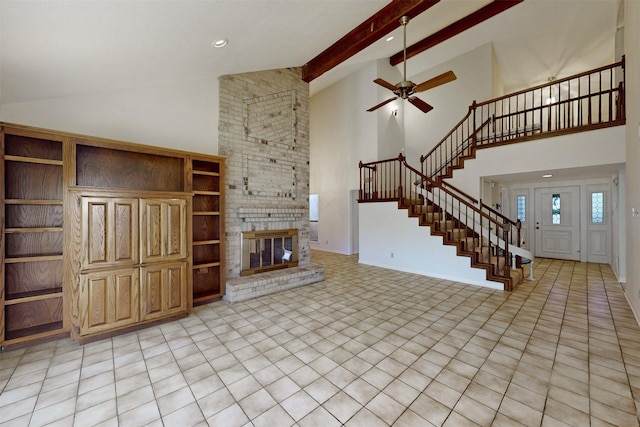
{"x":455,"y":234}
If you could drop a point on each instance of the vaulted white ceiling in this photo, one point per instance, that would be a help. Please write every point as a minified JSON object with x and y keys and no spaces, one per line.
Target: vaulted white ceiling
{"x":51,"y":49}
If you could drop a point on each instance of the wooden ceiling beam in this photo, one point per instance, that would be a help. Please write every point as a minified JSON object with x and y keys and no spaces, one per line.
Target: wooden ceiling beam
{"x":482,"y":14}
{"x":373,"y":29}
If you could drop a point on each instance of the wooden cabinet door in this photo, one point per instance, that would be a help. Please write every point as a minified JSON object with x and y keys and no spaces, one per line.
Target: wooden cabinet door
{"x":163,"y":229}
{"x":109,"y":299}
{"x":163,"y":290}
{"x":109,"y":232}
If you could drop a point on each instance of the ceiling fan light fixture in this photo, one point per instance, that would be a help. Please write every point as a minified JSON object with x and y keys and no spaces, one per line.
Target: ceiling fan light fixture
{"x":406,"y":89}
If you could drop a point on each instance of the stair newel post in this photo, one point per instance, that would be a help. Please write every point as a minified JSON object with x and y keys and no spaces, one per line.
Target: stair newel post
{"x":621,"y":114}
{"x":400,"y":186}
{"x":474,"y":137}
{"x":361,"y":192}
{"x":622,"y":90}
{"x":481,"y":237}
{"x":507,"y":258}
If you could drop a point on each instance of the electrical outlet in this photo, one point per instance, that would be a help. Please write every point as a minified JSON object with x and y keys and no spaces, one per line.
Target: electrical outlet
{"x":391,"y":254}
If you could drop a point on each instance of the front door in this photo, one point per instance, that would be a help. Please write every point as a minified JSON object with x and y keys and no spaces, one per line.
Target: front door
{"x":557,"y":222}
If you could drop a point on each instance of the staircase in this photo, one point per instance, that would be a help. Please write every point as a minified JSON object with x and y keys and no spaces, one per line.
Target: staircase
{"x":467,"y":242}
{"x":587,"y":101}
{"x":490,"y":240}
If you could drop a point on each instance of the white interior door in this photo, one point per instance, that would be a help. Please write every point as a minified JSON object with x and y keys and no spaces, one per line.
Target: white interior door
{"x":557,"y":222}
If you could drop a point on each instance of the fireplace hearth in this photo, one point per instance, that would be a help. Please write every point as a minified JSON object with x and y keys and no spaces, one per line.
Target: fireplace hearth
{"x":268,"y":250}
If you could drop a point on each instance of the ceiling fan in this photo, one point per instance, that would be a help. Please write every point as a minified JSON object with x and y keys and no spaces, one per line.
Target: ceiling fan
{"x":406,"y":88}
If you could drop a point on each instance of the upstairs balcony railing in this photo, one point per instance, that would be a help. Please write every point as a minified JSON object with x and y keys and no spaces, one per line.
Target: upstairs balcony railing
{"x":586,"y":101}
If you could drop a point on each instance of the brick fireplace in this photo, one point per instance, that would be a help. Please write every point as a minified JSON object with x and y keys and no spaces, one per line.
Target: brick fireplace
{"x":263,"y":131}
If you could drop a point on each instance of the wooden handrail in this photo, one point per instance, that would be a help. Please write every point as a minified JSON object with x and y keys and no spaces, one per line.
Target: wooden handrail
{"x":517,"y":224}
{"x":460,"y":192}
{"x":460,"y":123}
{"x":408,"y":186}
{"x":554,"y":82}
{"x":375,"y":162}
{"x":598,"y":102}
{"x":513,"y":117}
{"x":453,"y":194}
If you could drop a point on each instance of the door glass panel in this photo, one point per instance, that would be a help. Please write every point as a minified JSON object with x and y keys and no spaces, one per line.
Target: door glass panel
{"x":555,"y":209}
{"x":597,"y":207}
{"x":313,"y":217}
{"x":521,"y":208}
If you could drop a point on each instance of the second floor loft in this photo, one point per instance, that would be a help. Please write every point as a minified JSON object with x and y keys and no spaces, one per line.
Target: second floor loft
{"x":586,"y":101}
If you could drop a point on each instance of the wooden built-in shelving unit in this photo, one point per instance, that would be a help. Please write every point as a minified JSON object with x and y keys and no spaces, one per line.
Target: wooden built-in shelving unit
{"x":208,"y":230}
{"x":99,"y":236}
{"x":32,"y":199}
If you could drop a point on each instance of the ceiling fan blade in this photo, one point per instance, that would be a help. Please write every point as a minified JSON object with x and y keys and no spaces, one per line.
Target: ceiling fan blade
{"x":382,"y":103}
{"x":443,"y":78}
{"x":420,"y":104}
{"x":385,"y":84}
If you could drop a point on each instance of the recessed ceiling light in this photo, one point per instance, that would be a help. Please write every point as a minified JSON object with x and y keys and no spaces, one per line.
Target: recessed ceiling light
{"x":220,"y":43}
{"x":389,"y":38}
{"x":547,"y":175}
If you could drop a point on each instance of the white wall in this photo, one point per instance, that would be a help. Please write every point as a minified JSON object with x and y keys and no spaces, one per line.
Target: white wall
{"x":599,"y":147}
{"x":390,"y":239}
{"x":390,"y":126}
{"x":450,"y":102}
{"x":182,"y":116}
{"x":619,"y":236}
{"x":342,"y":133}
{"x":632,"y":171}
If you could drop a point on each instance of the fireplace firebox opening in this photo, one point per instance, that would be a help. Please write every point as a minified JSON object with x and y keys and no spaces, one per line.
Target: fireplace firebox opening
{"x":268,"y":250}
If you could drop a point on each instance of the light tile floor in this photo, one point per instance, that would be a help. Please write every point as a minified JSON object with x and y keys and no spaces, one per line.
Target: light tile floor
{"x":367,"y":347}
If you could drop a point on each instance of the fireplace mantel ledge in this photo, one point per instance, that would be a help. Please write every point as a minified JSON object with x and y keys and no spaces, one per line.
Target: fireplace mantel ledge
{"x":272,"y":212}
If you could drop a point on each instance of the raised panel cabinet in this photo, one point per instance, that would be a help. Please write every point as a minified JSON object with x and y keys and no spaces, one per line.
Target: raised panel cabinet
{"x":163,"y":229}
{"x":108,"y":300}
{"x":109,"y":232}
{"x":163,"y":290}
{"x":99,"y":236}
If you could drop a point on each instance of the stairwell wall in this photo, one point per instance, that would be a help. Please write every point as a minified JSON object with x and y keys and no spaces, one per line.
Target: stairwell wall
{"x":594,"y":148}
{"x":475,"y":78}
{"x":395,"y":241}
{"x":341,"y":133}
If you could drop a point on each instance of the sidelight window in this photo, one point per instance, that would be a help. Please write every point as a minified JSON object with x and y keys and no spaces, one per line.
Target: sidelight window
{"x":555,"y":209}
{"x":597,"y":207}
{"x":521,"y":207}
